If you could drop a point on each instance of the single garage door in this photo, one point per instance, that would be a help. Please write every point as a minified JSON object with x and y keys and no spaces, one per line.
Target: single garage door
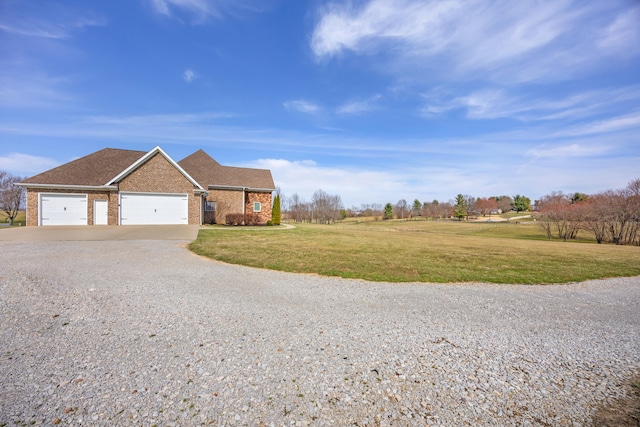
{"x":63,"y":209}
{"x":151,"y":208}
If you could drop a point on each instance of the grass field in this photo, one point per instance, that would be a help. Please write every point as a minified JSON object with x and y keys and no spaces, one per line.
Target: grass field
{"x":421,"y":251}
{"x":21,"y":219}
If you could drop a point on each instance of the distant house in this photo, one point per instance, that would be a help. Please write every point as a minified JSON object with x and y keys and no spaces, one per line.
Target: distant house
{"x":126,"y":187}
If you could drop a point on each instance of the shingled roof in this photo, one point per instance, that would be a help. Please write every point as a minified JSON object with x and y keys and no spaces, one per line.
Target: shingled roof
{"x":96,"y":169}
{"x":209,"y":173}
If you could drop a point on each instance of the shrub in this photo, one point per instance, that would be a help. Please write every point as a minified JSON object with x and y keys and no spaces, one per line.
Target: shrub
{"x":251,"y":219}
{"x":234,"y":219}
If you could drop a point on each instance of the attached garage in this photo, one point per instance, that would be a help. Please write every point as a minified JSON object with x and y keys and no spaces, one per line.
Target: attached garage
{"x":153,"y":209}
{"x":63,"y":209}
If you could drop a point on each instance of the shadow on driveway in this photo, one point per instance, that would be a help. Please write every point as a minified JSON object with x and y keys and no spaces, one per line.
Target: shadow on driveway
{"x":98,"y":233}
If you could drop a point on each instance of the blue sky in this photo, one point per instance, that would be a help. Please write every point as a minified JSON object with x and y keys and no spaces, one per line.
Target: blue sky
{"x":373,"y":100}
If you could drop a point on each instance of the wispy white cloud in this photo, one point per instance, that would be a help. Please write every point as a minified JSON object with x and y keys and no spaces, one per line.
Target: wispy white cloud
{"x":499,"y":40}
{"x":359,"y":106}
{"x":61,"y":25}
{"x":610,"y":125}
{"x":302,"y":106}
{"x":199,"y":8}
{"x":199,"y":11}
{"x":617,"y":36}
{"x":492,"y":103}
{"x":189,"y":75}
{"x":26,"y":163}
{"x":152,"y":120}
{"x":572,"y":150}
{"x":33,"y":90}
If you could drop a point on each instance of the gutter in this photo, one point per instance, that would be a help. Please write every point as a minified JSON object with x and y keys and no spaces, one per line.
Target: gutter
{"x":68,"y":187}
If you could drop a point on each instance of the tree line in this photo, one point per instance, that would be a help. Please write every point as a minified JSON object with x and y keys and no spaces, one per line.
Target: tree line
{"x":324,"y":208}
{"x":461,"y":207}
{"x":613,"y":216}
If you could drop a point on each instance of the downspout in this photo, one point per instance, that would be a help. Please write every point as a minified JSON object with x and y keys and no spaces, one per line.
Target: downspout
{"x":244,"y":208}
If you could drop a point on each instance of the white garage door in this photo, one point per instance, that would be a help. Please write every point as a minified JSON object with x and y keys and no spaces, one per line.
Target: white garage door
{"x":143,"y":209}
{"x":63,"y":209}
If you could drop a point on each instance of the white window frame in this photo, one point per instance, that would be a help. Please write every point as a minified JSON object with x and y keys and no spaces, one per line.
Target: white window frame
{"x":259,"y":205}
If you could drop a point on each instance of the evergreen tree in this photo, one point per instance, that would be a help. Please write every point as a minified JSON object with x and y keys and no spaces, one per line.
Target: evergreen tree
{"x":521,"y":203}
{"x":388,"y":211}
{"x":417,"y":207}
{"x":275,"y":212}
{"x":460,"y":208}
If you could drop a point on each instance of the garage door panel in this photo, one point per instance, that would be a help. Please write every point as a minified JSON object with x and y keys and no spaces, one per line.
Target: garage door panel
{"x":153,"y":209}
{"x":63,"y":209}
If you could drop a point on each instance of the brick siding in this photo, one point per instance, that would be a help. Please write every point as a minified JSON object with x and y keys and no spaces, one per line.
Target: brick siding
{"x":33,"y":208}
{"x":157,"y":175}
{"x":265,"y":201}
{"x":227,"y":202}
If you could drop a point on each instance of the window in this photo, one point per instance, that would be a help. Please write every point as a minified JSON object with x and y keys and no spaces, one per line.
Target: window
{"x":209,"y":206}
{"x":257,"y":206}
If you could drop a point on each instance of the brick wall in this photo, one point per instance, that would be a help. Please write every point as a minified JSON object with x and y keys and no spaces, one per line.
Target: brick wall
{"x":227,"y":201}
{"x":264,"y":199}
{"x":33,"y":208}
{"x":157,"y":175}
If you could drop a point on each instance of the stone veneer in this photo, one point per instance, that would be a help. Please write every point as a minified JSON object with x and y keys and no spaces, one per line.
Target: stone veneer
{"x":264,"y":199}
{"x":230,"y":202}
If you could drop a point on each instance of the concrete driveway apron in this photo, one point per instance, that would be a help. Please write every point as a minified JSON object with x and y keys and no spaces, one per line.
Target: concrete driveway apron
{"x":99,"y":233}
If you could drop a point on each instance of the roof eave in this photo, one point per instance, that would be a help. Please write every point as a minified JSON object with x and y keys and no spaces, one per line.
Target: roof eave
{"x":239,"y":188}
{"x":67,"y":186}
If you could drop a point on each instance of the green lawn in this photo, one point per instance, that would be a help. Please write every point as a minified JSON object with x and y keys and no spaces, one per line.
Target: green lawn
{"x":421,"y":251}
{"x":21,"y":219}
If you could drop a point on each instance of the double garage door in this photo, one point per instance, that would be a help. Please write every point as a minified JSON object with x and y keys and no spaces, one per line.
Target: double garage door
{"x":135,"y":209}
{"x":149,"y":208}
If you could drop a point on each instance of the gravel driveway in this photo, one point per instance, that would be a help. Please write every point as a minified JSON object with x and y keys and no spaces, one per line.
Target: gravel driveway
{"x":145,"y":333}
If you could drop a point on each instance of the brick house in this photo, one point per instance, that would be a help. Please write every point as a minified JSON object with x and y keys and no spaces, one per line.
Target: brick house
{"x":126,"y":187}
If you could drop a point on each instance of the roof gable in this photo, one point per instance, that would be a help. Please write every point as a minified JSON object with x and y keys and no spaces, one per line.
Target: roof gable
{"x":146,"y":157}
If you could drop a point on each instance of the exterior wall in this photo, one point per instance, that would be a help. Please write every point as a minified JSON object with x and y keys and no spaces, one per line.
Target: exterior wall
{"x":157,"y":175}
{"x":264,"y":199}
{"x":33,"y":208}
{"x":227,"y":202}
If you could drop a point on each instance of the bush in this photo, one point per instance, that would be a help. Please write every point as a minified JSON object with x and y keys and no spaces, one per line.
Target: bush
{"x":269,"y":223}
{"x":251,"y":219}
{"x":234,"y":219}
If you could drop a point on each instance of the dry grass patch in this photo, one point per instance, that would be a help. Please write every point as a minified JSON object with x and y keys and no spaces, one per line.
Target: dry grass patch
{"x":624,"y":412}
{"x":428,"y":252}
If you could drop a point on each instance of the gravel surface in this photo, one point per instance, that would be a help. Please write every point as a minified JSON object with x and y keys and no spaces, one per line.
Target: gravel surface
{"x":145,"y":333}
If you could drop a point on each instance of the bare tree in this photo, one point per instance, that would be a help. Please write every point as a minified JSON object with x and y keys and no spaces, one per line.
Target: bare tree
{"x":504,"y":203}
{"x":326,"y":207}
{"x":298,"y":208}
{"x":11,"y":195}
{"x":436,"y":209}
{"x":402,"y":209}
{"x":557,"y":212}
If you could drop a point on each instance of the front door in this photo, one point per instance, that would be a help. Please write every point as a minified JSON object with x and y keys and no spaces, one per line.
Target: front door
{"x":100,"y":212}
